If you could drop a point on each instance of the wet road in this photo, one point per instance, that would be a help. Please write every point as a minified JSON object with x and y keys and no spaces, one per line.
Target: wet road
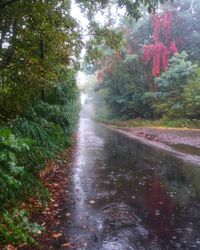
{"x":127,"y":195}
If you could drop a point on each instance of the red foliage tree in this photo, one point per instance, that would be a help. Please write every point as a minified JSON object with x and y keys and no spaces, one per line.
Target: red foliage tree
{"x":173,"y":47}
{"x":157,"y":24}
{"x":160,"y":51}
{"x":100,"y":76}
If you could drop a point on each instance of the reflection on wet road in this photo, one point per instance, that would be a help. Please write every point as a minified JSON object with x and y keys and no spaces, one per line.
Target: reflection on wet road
{"x":130,"y":196}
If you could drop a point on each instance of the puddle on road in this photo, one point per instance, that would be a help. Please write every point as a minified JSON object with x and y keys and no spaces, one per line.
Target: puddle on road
{"x":127,"y":195}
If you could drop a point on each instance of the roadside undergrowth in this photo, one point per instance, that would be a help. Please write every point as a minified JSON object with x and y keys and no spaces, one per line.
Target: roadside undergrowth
{"x":27,"y":143}
{"x":55,"y":177}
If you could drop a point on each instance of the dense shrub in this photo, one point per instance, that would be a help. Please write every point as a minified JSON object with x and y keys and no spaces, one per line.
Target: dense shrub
{"x":26,"y":143}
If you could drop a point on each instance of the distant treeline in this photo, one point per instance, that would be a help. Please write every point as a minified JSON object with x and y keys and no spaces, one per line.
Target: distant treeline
{"x":155,"y":73}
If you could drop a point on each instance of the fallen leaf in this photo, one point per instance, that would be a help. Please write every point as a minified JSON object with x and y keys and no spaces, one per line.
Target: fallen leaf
{"x":67,"y":244}
{"x":56,"y":235}
{"x":92,"y":202}
{"x":10,"y":247}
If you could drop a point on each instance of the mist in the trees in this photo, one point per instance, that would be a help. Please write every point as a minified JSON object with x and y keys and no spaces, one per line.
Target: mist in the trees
{"x":150,"y":73}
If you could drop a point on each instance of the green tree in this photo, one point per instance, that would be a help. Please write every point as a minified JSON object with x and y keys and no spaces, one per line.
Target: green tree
{"x":171,"y":85}
{"x":24,"y":25}
{"x":191,"y":97}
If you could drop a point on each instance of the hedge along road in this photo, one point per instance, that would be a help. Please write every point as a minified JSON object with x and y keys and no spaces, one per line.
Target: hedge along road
{"x":128,"y":195}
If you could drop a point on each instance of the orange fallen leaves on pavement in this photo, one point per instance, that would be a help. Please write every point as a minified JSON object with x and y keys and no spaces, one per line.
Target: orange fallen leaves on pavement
{"x":10,"y":247}
{"x":56,"y":235}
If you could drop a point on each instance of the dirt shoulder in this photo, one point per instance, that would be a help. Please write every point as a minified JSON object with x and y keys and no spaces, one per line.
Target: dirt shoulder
{"x":183,"y":142}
